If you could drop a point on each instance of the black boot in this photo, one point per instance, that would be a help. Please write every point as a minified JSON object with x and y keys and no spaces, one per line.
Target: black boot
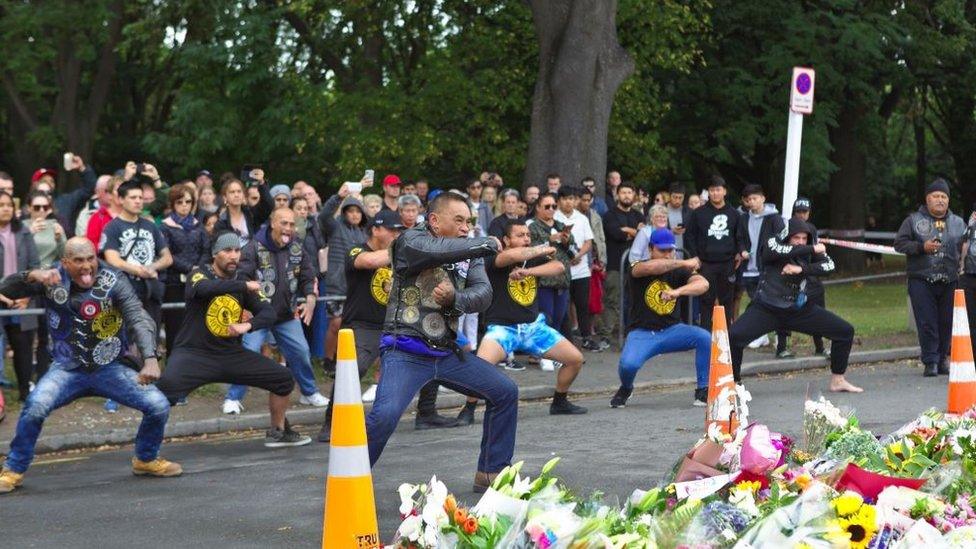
{"x":619,"y":400}
{"x":944,"y":367}
{"x":561,"y":406}
{"x":466,"y":415}
{"x":931,"y":370}
{"x":434,"y":421}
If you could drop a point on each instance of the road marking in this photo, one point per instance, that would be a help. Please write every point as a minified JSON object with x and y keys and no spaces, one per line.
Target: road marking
{"x":60,"y":460}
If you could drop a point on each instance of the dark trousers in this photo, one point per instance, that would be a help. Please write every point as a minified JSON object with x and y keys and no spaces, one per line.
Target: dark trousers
{"x":43,"y":354}
{"x":367,"y":351}
{"x":579,"y":292}
{"x":427,"y":399}
{"x":968,"y":283}
{"x":810,"y":319}
{"x":932,"y":304}
{"x":554,"y":303}
{"x":720,"y":291}
{"x":781,"y":336}
{"x":173,"y":318}
{"x":22,"y":343}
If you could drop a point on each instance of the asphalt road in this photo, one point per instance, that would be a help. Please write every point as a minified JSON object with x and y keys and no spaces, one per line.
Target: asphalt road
{"x":236,"y":493}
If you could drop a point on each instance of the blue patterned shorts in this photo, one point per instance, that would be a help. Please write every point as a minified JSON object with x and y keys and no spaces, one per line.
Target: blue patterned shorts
{"x":535,"y":338}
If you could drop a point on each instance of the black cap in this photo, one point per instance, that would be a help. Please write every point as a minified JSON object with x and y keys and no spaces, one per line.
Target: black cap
{"x":801,"y":204}
{"x":204,"y":172}
{"x":387,"y":218}
{"x":939,"y":185}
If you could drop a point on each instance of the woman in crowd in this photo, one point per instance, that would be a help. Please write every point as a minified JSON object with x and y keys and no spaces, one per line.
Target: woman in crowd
{"x":206,"y":203}
{"x":657,"y":218}
{"x":49,"y":240}
{"x":489,"y":195}
{"x":239,"y":217}
{"x":553,"y":292}
{"x":188,"y":243}
{"x":373,"y":204}
{"x":19,"y":253}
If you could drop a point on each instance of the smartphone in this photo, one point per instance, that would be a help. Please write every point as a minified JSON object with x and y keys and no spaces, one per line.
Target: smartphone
{"x":567,"y":228}
{"x":680,"y":226}
{"x":68,"y":161}
{"x":354,"y":187}
{"x":369,"y":174}
{"x":246,"y":172}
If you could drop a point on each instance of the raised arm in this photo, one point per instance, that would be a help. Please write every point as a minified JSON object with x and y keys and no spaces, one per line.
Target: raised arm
{"x":141,"y":328}
{"x":549,"y":268}
{"x":778,"y":251}
{"x":476,"y":295}
{"x":201,"y":287}
{"x":654,"y":267}
{"x":819,"y":265}
{"x":22,"y":284}
{"x":512,"y":256}
{"x":260,"y":307}
{"x":418,"y":252}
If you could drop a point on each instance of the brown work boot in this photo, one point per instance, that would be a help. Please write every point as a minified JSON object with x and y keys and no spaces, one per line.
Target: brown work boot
{"x":9,"y":480}
{"x":158,"y":467}
{"x":482,"y":481}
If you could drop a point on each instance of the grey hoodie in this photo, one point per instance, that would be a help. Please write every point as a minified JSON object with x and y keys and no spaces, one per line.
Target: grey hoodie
{"x":755,"y":226}
{"x":341,"y":237}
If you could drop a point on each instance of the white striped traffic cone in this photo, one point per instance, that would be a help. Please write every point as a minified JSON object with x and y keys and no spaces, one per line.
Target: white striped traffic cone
{"x":962,"y":372}
{"x":350,"y":509}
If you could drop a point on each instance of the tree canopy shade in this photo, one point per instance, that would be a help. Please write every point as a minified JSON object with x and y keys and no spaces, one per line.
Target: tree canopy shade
{"x":444,"y":89}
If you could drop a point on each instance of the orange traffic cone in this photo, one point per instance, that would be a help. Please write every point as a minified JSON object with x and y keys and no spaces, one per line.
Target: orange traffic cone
{"x":962,"y":372}
{"x":350,"y":509}
{"x":722,"y":407}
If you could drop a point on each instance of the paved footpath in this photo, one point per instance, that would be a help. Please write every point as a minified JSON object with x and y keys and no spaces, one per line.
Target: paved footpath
{"x":236,"y":493}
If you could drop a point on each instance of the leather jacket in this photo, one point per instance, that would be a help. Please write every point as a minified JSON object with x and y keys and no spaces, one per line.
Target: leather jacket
{"x":789,"y":291}
{"x":943,"y":265}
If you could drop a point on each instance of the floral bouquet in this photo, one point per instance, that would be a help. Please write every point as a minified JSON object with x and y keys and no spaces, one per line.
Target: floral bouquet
{"x":821,"y":419}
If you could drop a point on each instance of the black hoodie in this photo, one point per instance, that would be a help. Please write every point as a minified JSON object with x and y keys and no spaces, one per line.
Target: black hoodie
{"x":789,"y":291}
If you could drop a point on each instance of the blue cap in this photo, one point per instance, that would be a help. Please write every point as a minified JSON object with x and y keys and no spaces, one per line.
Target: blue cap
{"x":662,"y":239}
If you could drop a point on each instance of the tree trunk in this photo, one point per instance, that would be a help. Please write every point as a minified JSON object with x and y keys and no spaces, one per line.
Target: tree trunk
{"x":581,"y":65}
{"x":921,"y":160}
{"x":847,"y":184}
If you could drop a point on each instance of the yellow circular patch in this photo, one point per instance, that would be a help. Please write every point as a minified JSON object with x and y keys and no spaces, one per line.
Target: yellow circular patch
{"x":197,"y":277}
{"x":653,"y":298}
{"x":107,"y":323}
{"x":223,"y":311}
{"x":523,"y":291}
{"x":379,"y":286}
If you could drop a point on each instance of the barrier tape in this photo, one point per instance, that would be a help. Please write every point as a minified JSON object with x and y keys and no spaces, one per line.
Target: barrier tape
{"x":861,"y":246}
{"x":165,"y":306}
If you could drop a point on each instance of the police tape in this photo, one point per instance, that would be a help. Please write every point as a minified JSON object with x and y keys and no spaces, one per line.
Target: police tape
{"x":860,"y":246}
{"x":168,"y":306}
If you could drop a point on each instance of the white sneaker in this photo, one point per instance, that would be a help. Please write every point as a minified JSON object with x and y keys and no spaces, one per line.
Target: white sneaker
{"x":233,"y":407}
{"x":761,"y":341}
{"x":547,"y":365}
{"x":316,"y":399}
{"x":369,"y":395}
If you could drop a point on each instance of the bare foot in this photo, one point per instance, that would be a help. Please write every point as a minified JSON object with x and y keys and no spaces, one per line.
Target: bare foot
{"x":840,"y":385}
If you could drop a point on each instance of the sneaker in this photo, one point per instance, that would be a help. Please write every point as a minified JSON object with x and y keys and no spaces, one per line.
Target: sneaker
{"x":30,"y":386}
{"x":591,"y":345}
{"x":434,"y":421}
{"x":466,"y":415}
{"x":547,"y":365}
{"x":9,"y":480}
{"x":619,"y":400}
{"x":325,"y":434}
{"x":701,"y":397}
{"x":785,"y":353}
{"x":181,"y":401}
{"x":824,"y":353}
{"x":111,"y":406}
{"x":280,"y":438}
{"x":513,"y":365}
{"x":565,"y":408}
{"x":604,"y":344}
{"x":158,"y":467}
{"x":315,"y":399}
{"x":760,"y":341}
{"x":369,"y":395}
{"x":232,"y":407}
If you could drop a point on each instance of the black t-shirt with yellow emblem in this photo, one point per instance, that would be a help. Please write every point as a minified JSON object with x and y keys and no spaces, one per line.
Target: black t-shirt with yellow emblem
{"x":513,"y":301}
{"x":647,"y":310}
{"x":367,"y":292}
{"x":213,"y":304}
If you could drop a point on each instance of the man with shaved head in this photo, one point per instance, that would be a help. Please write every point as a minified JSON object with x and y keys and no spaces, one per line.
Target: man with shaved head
{"x":91,"y":312}
{"x":279,"y":260}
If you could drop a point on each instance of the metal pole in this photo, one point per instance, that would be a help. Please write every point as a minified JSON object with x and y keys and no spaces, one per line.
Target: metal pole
{"x":791,"y":177}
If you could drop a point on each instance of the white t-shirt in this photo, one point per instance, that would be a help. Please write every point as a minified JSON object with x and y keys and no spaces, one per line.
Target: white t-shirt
{"x":581,"y":233}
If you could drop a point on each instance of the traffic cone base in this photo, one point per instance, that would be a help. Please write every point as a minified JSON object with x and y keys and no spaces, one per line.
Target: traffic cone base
{"x":962,"y":370}
{"x":350,"y":507}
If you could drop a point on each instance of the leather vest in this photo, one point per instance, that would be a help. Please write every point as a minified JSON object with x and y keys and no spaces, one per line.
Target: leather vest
{"x":85,"y":328}
{"x":268,"y":275}
{"x":942,"y":266}
{"x":413,"y":311}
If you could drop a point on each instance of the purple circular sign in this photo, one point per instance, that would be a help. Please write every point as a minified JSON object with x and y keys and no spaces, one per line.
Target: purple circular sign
{"x":803,"y":83}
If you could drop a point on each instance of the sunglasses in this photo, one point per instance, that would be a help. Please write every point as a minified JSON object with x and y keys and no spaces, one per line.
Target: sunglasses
{"x":549,"y":207}
{"x":40,"y":208}
{"x":184,"y":201}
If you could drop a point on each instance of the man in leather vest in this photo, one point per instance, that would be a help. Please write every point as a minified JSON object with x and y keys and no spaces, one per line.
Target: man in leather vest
{"x":438,"y":275}
{"x":931,"y":238}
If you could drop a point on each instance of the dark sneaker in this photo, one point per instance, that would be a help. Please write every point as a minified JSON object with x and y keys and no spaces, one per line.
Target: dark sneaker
{"x":466,"y":415}
{"x":434,"y":421}
{"x":325,"y":434}
{"x":619,"y":400}
{"x":701,"y":397}
{"x":565,"y":408}
{"x":931,"y":370}
{"x":943,"y":367}
{"x":281,"y":438}
{"x":604,"y":344}
{"x":785,"y":353}
{"x":591,"y":345}
{"x":514,"y":365}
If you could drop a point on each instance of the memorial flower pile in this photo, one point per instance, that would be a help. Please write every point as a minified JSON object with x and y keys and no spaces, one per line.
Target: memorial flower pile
{"x":838,"y":486}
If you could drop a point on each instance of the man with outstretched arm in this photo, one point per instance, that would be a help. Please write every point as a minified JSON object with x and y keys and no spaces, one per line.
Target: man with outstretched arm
{"x":91,"y":312}
{"x":438,"y":275}
{"x":220,"y":308}
{"x":655,"y":325}
{"x":514,"y":321}
{"x":781,"y":302}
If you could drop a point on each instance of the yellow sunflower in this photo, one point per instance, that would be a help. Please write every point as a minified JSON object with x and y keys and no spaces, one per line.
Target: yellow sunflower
{"x":847,"y":503}
{"x":856,"y":530}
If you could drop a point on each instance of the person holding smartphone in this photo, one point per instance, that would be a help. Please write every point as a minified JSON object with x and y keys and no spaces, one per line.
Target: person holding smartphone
{"x":553,"y":297}
{"x":49,"y":238}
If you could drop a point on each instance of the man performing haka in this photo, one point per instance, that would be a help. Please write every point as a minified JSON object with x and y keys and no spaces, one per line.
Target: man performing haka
{"x":655,"y":323}
{"x":430,"y":290}
{"x":781,"y":301}
{"x":514,"y":321}
{"x":220,"y":308}
{"x":90,"y":311}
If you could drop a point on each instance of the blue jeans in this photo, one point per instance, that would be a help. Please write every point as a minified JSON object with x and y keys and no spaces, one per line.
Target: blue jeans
{"x":293,"y":346}
{"x":405,"y":373}
{"x":643,"y":345}
{"x":554,"y":303}
{"x":59,"y":387}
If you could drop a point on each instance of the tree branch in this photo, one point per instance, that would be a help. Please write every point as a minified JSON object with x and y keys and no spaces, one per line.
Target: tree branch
{"x":18,"y":102}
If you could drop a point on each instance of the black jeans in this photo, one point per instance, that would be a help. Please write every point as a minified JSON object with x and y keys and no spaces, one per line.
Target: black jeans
{"x":22,"y":343}
{"x":781,"y":336}
{"x":720,"y":290}
{"x":173,"y":318}
{"x":367,"y":352}
{"x":810,"y":319}
{"x":43,"y":351}
{"x":932,"y":304}
{"x":579,"y":292}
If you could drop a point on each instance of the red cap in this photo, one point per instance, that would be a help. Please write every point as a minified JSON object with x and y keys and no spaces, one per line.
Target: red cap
{"x":42,"y":172}
{"x":391,"y":179}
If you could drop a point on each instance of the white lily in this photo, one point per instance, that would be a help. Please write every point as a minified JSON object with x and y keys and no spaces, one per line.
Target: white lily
{"x":406,"y":498}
